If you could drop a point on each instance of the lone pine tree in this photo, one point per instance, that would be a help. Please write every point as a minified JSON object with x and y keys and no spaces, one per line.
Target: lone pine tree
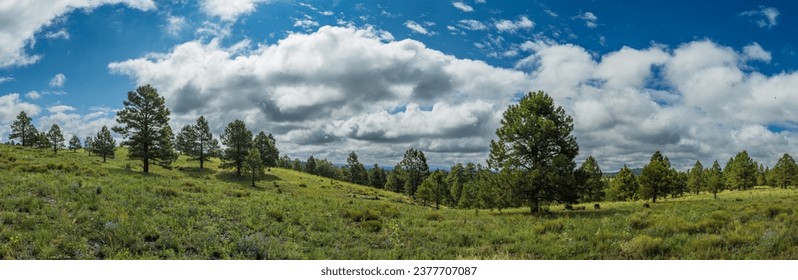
{"x":535,"y":151}
{"x":144,"y":125}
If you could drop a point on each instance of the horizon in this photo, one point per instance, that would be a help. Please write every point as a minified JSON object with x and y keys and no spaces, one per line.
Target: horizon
{"x":697,"y":81}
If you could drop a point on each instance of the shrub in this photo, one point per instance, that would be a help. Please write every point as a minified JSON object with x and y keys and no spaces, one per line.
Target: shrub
{"x":275,"y":215}
{"x":167,"y":192}
{"x":640,"y":220}
{"x":371,"y":225}
{"x":643,"y":246}
{"x":553,"y":226}
{"x":434,"y":216}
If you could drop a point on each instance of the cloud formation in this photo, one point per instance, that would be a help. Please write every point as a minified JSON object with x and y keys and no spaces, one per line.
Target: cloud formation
{"x":58,"y":81}
{"x":765,"y":17}
{"x":417,"y":28}
{"x":23,"y":19}
{"x":229,"y":10}
{"x":337,"y":90}
{"x":699,"y":101}
{"x":463,"y":7}
{"x":589,"y":18}
{"x":510,"y":26}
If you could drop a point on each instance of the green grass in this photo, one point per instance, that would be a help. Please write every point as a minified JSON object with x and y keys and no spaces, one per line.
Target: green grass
{"x":72,"y":206}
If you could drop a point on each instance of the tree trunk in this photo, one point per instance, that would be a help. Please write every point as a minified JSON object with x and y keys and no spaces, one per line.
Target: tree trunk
{"x":202,"y":160}
{"x":146,"y":165}
{"x":253,"y":179}
{"x":103,"y":159}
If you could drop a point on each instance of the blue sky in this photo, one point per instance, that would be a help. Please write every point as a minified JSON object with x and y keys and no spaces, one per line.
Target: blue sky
{"x":699,"y":80}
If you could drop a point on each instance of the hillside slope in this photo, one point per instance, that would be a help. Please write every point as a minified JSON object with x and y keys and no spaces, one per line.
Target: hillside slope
{"x":73,"y":206}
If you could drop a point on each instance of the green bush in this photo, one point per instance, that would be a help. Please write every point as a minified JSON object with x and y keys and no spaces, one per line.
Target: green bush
{"x":371,"y":225}
{"x":434,"y":216}
{"x":643,"y":246}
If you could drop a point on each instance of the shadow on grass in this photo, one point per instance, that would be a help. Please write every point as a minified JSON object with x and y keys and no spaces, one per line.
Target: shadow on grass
{"x":129,"y":173}
{"x":231,"y":177}
{"x":196,"y":171}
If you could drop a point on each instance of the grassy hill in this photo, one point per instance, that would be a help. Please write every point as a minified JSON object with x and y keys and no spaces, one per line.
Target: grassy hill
{"x":73,"y":206}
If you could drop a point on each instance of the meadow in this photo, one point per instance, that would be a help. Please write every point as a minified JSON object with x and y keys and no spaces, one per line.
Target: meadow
{"x":73,"y":206}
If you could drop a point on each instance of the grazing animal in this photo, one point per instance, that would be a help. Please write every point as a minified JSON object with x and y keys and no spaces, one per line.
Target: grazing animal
{"x":646,"y":205}
{"x":569,"y":207}
{"x":596,"y":206}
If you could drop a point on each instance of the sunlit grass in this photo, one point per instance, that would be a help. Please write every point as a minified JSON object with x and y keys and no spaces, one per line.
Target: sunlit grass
{"x":73,"y":206}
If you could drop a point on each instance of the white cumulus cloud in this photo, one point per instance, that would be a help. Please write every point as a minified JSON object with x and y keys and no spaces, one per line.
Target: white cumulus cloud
{"x":229,"y":10}
{"x":463,"y":7}
{"x":765,"y":17}
{"x":22,"y":20}
{"x":336,"y":90}
{"x":58,"y":81}
{"x":510,"y":26}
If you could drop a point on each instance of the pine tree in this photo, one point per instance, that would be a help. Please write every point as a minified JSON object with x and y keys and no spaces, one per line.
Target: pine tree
{"x":196,"y":141}
{"x":624,"y":186}
{"x":56,"y":138}
{"x":656,"y":177}
{"x":87,"y":144}
{"x":456,"y":180}
{"x":144,"y":124}
{"x":186,"y":140}
{"x":433,"y":189}
{"x":785,"y":172}
{"x":42,"y":141}
{"x":414,"y":170}
{"x":715,"y":180}
{"x":238,"y":139}
{"x":592,"y":184}
{"x":310,"y":165}
{"x":354,"y":171}
{"x":742,"y":175}
{"x":395,"y":181}
{"x":74,"y":143}
{"x":267,"y":147}
{"x":103,"y":144}
{"x":535,"y":152}
{"x":253,"y":164}
{"x":696,"y":181}
{"x":377,"y":177}
{"x":22,"y":128}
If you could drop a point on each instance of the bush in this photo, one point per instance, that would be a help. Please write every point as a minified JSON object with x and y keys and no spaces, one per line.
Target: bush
{"x":371,"y":225}
{"x":553,"y":226}
{"x":362,"y":215}
{"x":640,"y":220}
{"x":275,"y":215}
{"x":434,"y":216}
{"x":643,"y":246}
{"x":167,"y":192}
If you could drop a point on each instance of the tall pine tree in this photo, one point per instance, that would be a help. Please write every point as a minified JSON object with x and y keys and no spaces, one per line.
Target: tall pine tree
{"x":103,"y":144}
{"x":237,"y":139}
{"x":22,"y":128}
{"x":535,"y":152}
{"x":74,"y":143}
{"x":56,"y":138}
{"x":144,"y":125}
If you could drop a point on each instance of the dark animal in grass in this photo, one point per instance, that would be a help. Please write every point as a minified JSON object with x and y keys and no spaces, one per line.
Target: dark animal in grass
{"x":646,"y":205}
{"x":596,"y":206}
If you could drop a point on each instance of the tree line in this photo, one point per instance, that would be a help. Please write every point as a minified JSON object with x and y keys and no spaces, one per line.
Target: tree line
{"x":530,"y":164}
